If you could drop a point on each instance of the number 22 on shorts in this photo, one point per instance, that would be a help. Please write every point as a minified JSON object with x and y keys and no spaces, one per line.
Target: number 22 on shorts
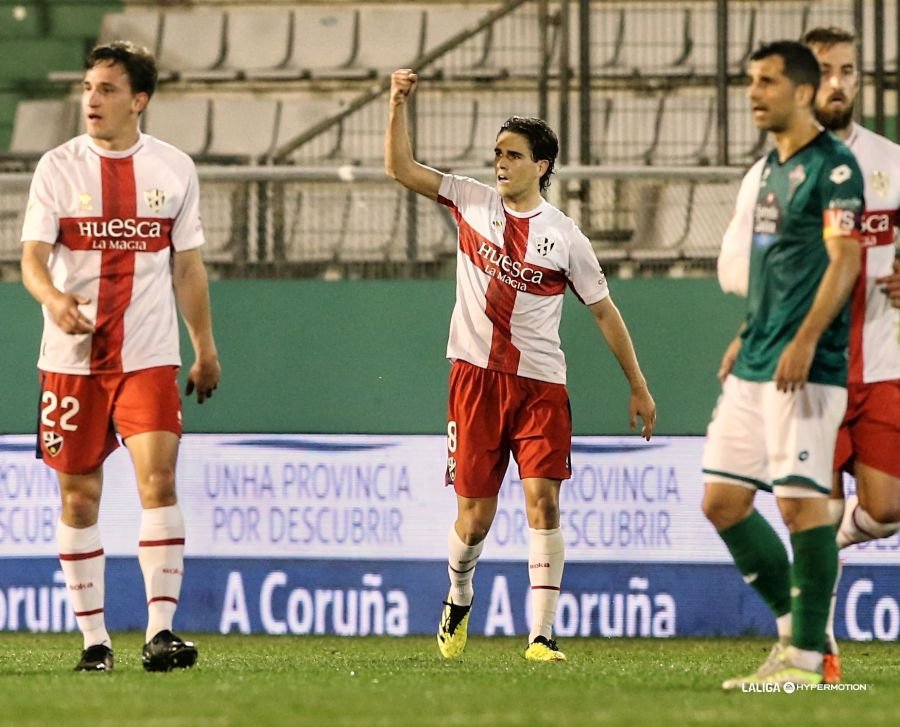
{"x":68,"y":407}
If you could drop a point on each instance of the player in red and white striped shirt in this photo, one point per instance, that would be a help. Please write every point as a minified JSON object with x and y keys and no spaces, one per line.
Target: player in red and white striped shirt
{"x":516,"y":256}
{"x":111,"y":230}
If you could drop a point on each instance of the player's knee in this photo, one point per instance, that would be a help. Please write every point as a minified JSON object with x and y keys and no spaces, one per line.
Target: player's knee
{"x":158,"y":490}
{"x":80,"y":509}
{"x":472,"y":530}
{"x":884,"y":512}
{"x":722,"y":511}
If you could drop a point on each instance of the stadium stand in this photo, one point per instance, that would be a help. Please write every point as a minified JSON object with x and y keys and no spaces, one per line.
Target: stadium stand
{"x":192,"y":44}
{"x":180,"y":120}
{"x":656,"y":40}
{"x":244,"y":54}
{"x":243,"y":129}
{"x":324,"y":38}
{"x":301,"y":84}
{"x":42,"y":124}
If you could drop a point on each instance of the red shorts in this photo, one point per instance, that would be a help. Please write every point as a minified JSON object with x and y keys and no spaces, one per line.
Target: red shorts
{"x":870,"y":432}
{"x":79,"y":412}
{"x":491,"y":415}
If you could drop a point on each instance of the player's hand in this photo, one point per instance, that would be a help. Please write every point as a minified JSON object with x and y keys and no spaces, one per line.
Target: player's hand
{"x":641,"y":405}
{"x":728,"y":359}
{"x":204,"y":378}
{"x":403,"y":83}
{"x":890,"y":285}
{"x":64,"y":312}
{"x":792,"y":370}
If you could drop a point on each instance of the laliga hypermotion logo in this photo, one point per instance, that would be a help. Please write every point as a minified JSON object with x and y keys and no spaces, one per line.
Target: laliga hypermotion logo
{"x":53,"y":442}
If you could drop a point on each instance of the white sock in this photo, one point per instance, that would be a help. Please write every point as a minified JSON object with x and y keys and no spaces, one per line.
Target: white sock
{"x":784,"y":625}
{"x":83,"y":565}
{"x":161,"y":555}
{"x":461,"y":568}
{"x":857,"y":526}
{"x":546,"y":558}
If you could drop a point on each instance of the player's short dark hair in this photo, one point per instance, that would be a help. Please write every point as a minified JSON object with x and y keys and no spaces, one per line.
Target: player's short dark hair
{"x":828,"y":36}
{"x":800,"y":65}
{"x":138,"y":62}
{"x":541,"y":138}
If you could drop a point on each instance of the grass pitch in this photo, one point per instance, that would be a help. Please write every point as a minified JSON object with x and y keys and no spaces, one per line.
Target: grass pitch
{"x":262,"y":681}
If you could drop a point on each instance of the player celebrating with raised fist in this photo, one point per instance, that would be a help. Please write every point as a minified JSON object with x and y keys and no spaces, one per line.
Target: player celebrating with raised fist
{"x":516,"y":256}
{"x":112,"y":228}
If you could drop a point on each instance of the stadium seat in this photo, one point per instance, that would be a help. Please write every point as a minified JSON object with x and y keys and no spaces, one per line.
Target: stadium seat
{"x":607,"y":34}
{"x":380,"y":47}
{"x":632,"y":130}
{"x":775,"y":21}
{"x":446,"y":124}
{"x":42,"y":124}
{"x":493,"y":110}
{"x":243,"y":129}
{"x":514,"y":48}
{"x":180,"y":120}
{"x":741,"y":38}
{"x":891,"y":21}
{"x":315,"y":217}
{"x":447,"y":21}
{"x":443,"y":23}
{"x":819,"y":15}
{"x":437,"y":232}
{"x":686,"y":129}
{"x":256,"y":39}
{"x":375,"y":228}
{"x":139,"y":26}
{"x":663,"y":213}
{"x":298,"y":116}
{"x":223,"y":209}
{"x":656,"y":41}
{"x":712,"y":205}
{"x":324,"y":38}
{"x":192,"y":43}
{"x":745,"y":141}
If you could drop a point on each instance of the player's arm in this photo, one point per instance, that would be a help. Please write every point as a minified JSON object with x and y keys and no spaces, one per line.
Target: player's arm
{"x":399,"y":163}
{"x":834,"y":289}
{"x":612,"y":326}
{"x":733,"y":264}
{"x":731,"y":353}
{"x":192,"y":292}
{"x":62,"y":307}
{"x":890,"y":285}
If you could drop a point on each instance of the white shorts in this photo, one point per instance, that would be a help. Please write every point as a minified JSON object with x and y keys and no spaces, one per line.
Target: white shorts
{"x":778,"y":441}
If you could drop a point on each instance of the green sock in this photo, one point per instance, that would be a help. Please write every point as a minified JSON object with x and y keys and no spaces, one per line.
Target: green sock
{"x":812,"y":578}
{"x":761,"y":558}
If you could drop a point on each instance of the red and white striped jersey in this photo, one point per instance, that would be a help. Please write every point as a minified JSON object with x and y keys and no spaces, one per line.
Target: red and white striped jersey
{"x":874,"y":323}
{"x":114,"y":219}
{"x":512,"y":270}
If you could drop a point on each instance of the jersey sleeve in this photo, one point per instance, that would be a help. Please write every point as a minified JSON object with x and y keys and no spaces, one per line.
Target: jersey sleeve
{"x":585,"y":274}
{"x":461,"y":193}
{"x":187,"y":232}
{"x":842,"y":192}
{"x":42,"y":213}
{"x":733,"y":265}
